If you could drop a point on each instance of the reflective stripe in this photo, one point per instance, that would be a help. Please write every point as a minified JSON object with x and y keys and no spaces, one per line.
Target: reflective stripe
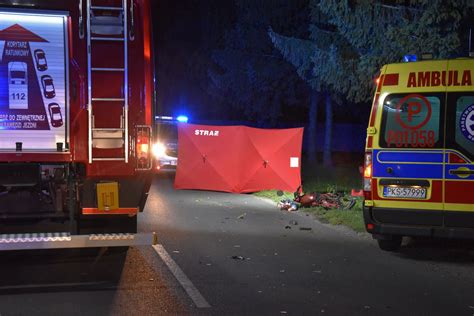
{"x":374,"y":110}
{"x":419,"y":156}
{"x":408,"y":171}
{"x":131,"y":211}
{"x":452,"y":207}
{"x":408,"y":164}
{"x":409,"y":205}
{"x":391,"y":80}
{"x":65,"y":240}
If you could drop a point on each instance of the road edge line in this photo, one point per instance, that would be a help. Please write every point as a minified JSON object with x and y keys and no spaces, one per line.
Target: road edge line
{"x":185,"y":282}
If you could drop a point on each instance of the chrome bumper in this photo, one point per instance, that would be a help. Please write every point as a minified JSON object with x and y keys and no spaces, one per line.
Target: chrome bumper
{"x":65,"y":240}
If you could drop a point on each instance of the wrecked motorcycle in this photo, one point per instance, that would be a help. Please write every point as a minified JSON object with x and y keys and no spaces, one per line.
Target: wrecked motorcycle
{"x":314,"y":199}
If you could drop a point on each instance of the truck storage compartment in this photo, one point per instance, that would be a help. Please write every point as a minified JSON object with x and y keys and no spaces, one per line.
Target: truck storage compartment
{"x":30,"y":189}
{"x":19,"y":174}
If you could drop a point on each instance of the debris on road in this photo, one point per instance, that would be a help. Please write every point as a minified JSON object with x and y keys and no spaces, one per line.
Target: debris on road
{"x":329,"y":200}
{"x":306,"y":228}
{"x":175,"y":251}
{"x":293,"y":222}
{"x":242,"y":216}
{"x":288,"y":205}
{"x":287,"y":227}
{"x":238,"y":258}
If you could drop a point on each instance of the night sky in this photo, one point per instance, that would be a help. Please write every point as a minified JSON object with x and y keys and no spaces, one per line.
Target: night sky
{"x":185,"y":33}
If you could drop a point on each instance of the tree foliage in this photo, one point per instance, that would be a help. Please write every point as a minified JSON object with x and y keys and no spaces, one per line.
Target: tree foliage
{"x":249,"y":73}
{"x":350,"y":40}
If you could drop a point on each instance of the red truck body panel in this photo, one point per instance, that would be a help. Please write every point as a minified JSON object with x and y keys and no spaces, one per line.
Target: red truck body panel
{"x":76,"y":113}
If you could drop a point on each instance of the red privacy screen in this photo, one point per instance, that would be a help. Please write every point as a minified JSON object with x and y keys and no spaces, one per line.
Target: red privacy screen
{"x":238,"y":158}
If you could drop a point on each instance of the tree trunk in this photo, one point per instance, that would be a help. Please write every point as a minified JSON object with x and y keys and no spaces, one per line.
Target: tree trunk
{"x":327,"y":160}
{"x":312,"y":125}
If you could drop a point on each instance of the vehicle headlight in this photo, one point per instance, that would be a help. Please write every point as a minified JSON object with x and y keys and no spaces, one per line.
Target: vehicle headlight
{"x":159,"y":150}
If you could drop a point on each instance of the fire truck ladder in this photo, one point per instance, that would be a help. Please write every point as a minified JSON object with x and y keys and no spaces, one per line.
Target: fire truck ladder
{"x":112,"y":28}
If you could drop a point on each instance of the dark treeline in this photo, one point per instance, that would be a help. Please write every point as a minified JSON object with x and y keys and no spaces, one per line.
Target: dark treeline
{"x":274,"y":63}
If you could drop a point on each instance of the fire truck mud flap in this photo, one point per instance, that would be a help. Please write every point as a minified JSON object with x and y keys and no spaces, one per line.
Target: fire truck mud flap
{"x":66,"y":240}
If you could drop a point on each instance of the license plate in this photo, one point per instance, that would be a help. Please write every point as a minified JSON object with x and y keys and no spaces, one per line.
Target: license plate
{"x":404,"y":192}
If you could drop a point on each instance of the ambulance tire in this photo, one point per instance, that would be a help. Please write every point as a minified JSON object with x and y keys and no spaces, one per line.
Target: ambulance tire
{"x":392,"y":244}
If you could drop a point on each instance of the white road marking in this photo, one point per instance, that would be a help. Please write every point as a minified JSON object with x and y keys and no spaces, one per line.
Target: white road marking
{"x":188,"y":286}
{"x":55,"y":285}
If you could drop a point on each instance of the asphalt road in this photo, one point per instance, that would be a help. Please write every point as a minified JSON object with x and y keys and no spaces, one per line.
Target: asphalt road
{"x":239,"y":255}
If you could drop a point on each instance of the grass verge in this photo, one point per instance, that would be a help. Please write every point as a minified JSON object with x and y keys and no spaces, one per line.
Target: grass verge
{"x":352,"y":218}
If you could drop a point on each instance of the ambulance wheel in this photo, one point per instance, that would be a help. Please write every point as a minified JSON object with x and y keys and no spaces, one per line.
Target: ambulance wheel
{"x":392,"y":244}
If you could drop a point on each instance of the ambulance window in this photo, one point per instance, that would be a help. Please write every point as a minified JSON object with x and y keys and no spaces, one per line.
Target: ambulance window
{"x":460,"y":131}
{"x":412,"y":121}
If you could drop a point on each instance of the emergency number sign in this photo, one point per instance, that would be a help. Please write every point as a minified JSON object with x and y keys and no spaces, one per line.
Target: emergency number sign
{"x":33,"y":73}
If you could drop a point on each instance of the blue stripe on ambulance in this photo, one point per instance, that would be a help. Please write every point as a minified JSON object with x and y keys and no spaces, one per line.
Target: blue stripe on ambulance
{"x":408,"y":165}
{"x":409,"y":156}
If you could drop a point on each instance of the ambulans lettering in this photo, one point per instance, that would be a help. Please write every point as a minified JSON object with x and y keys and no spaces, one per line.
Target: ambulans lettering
{"x":205,"y":132}
{"x":439,"y":78}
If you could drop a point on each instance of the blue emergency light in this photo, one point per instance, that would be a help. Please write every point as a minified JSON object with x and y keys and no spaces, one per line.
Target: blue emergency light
{"x":182,"y":118}
{"x":410,"y":58}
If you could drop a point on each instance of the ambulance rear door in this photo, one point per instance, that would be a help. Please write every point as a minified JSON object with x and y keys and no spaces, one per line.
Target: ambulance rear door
{"x":409,"y":164}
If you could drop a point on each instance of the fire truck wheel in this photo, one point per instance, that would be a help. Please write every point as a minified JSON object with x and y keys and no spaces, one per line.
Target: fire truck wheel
{"x":392,"y":244}
{"x":106,"y":225}
{"x":118,"y":250}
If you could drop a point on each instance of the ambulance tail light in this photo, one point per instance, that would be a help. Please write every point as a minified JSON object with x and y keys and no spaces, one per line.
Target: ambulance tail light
{"x":143,"y":148}
{"x":367,"y":175}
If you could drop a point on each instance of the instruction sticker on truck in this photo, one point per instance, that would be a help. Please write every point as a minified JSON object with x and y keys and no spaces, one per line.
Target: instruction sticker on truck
{"x":33,"y":68}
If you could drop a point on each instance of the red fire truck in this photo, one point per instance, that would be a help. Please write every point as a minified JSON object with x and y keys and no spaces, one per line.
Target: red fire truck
{"x":76,"y":116}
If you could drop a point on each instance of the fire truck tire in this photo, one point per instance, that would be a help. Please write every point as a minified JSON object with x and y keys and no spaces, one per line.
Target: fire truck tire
{"x":392,"y":244}
{"x":118,"y":250}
